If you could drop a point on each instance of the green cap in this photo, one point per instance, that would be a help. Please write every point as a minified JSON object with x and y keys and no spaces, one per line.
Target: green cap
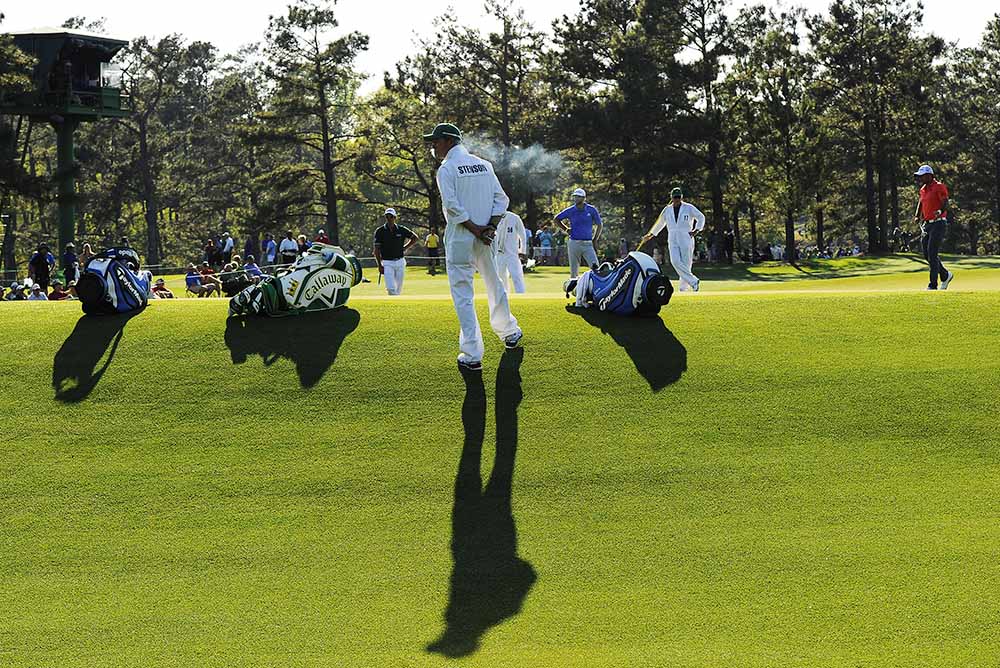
{"x":442,"y":130}
{"x":676,"y":192}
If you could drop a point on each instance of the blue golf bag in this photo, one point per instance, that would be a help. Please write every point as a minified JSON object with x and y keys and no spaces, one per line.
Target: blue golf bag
{"x":112,"y":283}
{"x":633,"y":286}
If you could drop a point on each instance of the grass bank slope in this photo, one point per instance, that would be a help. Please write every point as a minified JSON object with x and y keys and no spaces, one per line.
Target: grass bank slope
{"x":752,"y":480}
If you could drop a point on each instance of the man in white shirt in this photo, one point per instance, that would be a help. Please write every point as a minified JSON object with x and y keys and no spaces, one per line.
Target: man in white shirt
{"x":288,"y":249}
{"x":473,"y":204}
{"x":227,"y":248}
{"x":683,"y":222}
{"x":512,"y":248}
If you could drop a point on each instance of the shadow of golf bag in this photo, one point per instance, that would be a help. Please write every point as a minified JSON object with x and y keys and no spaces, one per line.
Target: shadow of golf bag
{"x":318,"y":281}
{"x":112,"y":283}
{"x":633,"y":286}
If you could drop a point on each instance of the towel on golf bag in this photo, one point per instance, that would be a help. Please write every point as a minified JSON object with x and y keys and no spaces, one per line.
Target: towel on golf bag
{"x":633,"y":286}
{"x":112,"y":283}
{"x":319,"y":280}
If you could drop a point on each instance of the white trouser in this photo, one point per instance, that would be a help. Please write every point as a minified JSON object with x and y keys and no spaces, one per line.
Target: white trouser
{"x":395,"y":270}
{"x":681,"y":246}
{"x":577,"y":249}
{"x":462,"y":265}
{"x":510,"y":263}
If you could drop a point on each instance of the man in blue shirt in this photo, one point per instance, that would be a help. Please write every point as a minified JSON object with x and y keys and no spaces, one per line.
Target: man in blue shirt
{"x":70,"y":263}
{"x":584,"y":225}
{"x":40,"y":266}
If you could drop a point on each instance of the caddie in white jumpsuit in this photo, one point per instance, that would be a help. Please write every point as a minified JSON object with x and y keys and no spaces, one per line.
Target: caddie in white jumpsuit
{"x":473,"y":204}
{"x":512,"y":247}
{"x":683,"y":222}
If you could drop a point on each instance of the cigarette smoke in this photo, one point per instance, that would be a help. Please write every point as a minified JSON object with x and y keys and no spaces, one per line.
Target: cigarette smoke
{"x":521,"y":170}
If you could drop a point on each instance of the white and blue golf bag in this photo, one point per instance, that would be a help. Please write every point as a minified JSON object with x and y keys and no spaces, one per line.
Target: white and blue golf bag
{"x":112,"y":283}
{"x":633,"y":286}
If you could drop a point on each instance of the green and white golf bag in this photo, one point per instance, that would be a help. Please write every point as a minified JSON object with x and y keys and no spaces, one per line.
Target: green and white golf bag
{"x":319,"y":280}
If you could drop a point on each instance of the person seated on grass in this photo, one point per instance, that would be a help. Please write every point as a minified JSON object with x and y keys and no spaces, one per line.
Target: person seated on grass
{"x":58,"y":293}
{"x":252,"y":269}
{"x":194,"y":283}
{"x":37,"y":294}
{"x":208,"y":276}
{"x":16,"y":292}
{"x":71,"y":290}
{"x":160,"y":290}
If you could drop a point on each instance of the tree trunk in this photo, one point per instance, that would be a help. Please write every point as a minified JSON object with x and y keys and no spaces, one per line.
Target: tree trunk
{"x":648,"y":205}
{"x":504,"y":90}
{"x":996,"y":186}
{"x":628,"y":185}
{"x":753,"y":231}
{"x":10,"y":226}
{"x":883,"y":206}
{"x":737,"y":240}
{"x":149,"y":197}
{"x":715,"y":185}
{"x":820,"y":239}
{"x":790,"y":236}
{"x":894,"y":191}
{"x":530,"y":211}
{"x":434,"y":201}
{"x":870,"y":209}
{"x":9,"y":237}
{"x":329,"y":175}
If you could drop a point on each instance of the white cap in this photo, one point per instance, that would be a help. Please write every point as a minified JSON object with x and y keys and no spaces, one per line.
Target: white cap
{"x":924,"y":169}
{"x":579,"y":192}
{"x":390,"y":212}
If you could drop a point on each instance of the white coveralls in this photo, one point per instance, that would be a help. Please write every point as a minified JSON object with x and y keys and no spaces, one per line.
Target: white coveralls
{"x":510,"y":241}
{"x":680,"y":243}
{"x":471,"y":192}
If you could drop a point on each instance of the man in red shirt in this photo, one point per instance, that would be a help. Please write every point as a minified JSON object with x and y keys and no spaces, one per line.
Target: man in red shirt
{"x":932,"y":213}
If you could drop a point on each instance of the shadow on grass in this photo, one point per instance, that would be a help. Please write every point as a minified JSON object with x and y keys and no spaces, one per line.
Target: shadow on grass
{"x":848,"y":267}
{"x":657,"y":354}
{"x":310,"y":340}
{"x":75,"y":373}
{"x":489,"y":582}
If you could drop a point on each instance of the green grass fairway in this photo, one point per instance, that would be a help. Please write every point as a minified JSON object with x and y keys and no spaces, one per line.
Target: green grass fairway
{"x":894,"y":273}
{"x":807,"y":478}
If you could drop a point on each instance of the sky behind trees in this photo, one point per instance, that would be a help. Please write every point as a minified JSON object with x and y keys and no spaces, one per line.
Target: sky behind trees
{"x":391,"y":24}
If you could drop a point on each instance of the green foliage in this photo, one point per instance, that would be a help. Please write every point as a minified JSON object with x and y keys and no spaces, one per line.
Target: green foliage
{"x":775,"y":118}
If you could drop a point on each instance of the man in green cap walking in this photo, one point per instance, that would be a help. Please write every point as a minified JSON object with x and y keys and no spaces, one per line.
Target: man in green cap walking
{"x":473,"y":203}
{"x":683,"y":221}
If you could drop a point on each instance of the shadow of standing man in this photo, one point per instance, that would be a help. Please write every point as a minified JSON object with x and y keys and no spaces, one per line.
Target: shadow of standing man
{"x":489,"y":582}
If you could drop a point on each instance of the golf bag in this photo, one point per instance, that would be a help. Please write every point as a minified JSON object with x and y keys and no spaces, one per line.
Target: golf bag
{"x":112,"y":283}
{"x":634,"y":286}
{"x":234,"y":282}
{"x":319,"y":280}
